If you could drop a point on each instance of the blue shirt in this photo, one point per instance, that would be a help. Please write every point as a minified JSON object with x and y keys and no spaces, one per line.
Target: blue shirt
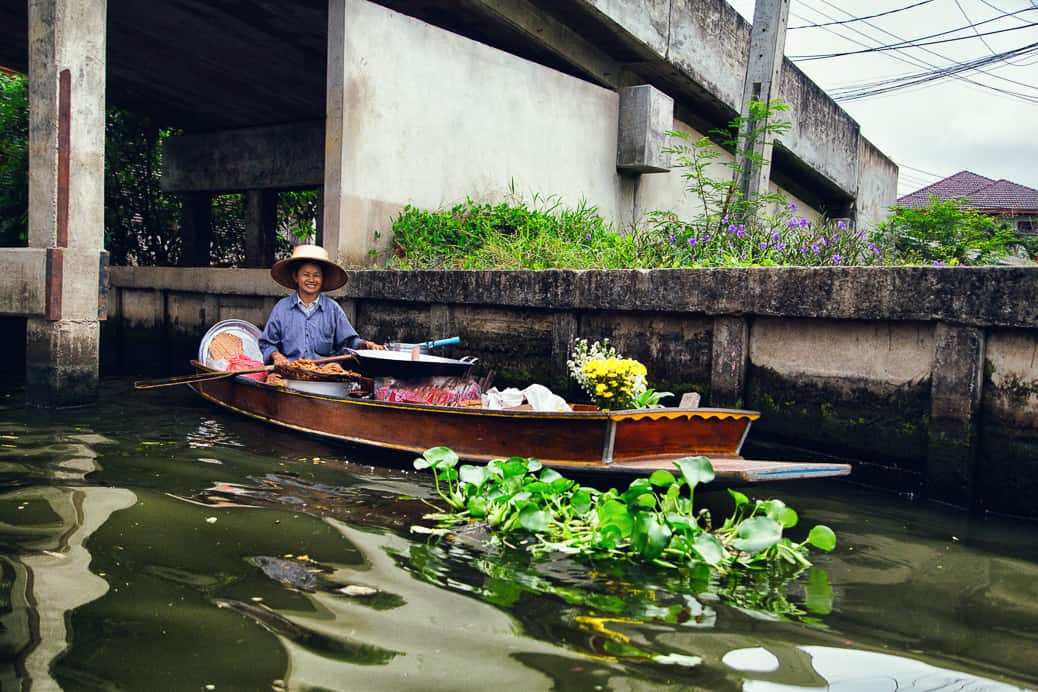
{"x":295,"y":334}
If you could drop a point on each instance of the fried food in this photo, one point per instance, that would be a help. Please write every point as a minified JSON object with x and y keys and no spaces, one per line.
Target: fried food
{"x":307,"y":365}
{"x":224,"y":346}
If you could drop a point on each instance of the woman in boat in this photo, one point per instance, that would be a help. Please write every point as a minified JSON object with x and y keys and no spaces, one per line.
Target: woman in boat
{"x":308,"y":324}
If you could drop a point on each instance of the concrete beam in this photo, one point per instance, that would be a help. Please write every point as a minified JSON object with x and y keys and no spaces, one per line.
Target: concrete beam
{"x":646,"y":116}
{"x":957,"y":382}
{"x":338,"y":235}
{"x":66,"y":195}
{"x":259,"y":158}
{"x":22,"y":291}
{"x":731,"y":356}
{"x":196,"y":229}
{"x":261,"y":211}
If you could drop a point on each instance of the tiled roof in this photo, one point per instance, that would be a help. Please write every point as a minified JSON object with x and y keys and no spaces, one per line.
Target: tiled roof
{"x":982,"y":193}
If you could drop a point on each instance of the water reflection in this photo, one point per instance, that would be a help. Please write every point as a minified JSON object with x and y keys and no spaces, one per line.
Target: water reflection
{"x":246,"y":558}
{"x":45,"y":565}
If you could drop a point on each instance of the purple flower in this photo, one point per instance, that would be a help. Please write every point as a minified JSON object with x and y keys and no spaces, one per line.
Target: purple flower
{"x":724,"y":219}
{"x":706,"y":238}
{"x":673,"y":239}
{"x":792,"y":223}
{"x":792,"y":206}
{"x":587,"y":237}
{"x":763,"y":245}
{"x":732,"y":228}
{"x":692,"y":241}
{"x":938,"y":263}
{"x":836,"y":237}
{"x":804,"y":223}
{"x":815,"y":249}
{"x":775,"y":235}
{"x":740,"y":232}
{"x":875,"y":250}
{"x":781,"y":246}
{"x":842,"y":225}
{"x":836,"y":259}
{"x":803,"y":248}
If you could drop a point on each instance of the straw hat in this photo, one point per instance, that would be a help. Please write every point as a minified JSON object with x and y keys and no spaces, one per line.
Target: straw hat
{"x":334,"y":276}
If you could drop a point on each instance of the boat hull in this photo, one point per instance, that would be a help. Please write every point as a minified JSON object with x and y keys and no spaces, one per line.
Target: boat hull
{"x":627,"y":442}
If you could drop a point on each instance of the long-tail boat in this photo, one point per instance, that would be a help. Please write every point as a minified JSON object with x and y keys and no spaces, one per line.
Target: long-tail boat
{"x":633,"y":442}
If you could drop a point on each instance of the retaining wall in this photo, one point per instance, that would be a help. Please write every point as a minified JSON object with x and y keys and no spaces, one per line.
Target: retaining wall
{"x":925,"y":378}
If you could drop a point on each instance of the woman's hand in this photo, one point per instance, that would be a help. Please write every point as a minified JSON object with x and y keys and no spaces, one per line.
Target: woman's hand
{"x":374,"y":347}
{"x":278,"y":358}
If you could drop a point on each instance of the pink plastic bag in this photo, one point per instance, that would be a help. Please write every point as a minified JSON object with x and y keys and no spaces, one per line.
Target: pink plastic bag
{"x":243,"y":362}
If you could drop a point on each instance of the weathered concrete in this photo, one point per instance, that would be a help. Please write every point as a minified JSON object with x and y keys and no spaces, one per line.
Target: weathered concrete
{"x":957,"y":384}
{"x":873,"y":365}
{"x":21,"y":290}
{"x":66,"y":195}
{"x":261,"y":217}
{"x":763,"y":71}
{"x":259,"y":158}
{"x":196,"y":229}
{"x":646,"y":116}
{"x":877,"y":184}
{"x":731,"y":354}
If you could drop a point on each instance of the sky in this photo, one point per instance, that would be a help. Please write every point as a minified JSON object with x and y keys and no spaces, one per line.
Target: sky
{"x":938,"y":129}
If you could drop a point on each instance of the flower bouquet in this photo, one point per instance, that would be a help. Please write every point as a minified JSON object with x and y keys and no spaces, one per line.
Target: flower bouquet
{"x":612,"y":381}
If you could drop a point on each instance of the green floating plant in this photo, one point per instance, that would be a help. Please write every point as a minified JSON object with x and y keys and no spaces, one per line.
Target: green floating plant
{"x":654,"y":520}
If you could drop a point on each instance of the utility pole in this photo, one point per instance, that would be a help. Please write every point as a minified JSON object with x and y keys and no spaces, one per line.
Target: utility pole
{"x":763,"y":71}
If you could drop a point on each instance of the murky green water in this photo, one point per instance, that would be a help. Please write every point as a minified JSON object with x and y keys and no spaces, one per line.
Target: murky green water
{"x":157,"y":542}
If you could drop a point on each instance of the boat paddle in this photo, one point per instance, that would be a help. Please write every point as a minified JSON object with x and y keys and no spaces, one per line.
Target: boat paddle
{"x":218,"y":374}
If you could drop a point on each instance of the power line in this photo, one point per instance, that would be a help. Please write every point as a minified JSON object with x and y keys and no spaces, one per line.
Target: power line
{"x":983,"y":40}
{"x":912,"y":43}
{"x":911,"y":59}
{"x":858,"y":19}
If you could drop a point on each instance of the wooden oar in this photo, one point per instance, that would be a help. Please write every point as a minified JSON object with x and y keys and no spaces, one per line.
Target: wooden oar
{"x":202,"y":377}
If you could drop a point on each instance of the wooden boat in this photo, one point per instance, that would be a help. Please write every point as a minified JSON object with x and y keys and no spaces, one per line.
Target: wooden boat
{"x":634,"y":442}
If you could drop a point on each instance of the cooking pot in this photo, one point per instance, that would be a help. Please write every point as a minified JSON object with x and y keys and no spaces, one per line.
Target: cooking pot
{"x":374,"y":363}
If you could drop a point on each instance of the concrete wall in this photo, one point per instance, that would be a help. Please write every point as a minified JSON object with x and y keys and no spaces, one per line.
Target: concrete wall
{"x":436,"y":117}
{"x":22,"y":289}
{"x":867,"y":364}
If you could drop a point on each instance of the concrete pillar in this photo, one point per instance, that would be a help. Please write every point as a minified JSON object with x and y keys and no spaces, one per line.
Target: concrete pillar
{"x":66,"y":195}
{"x":196,"y":229}
{"x":763,"y":70}
{"x":731,"y":357}
{"x":344,"y":232}
{"x":261,"y":220}
{"x":319,"y":230}
{"x":956,"y":385}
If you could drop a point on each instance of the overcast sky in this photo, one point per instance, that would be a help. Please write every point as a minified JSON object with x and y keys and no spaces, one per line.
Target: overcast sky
{"x":947,"y":125}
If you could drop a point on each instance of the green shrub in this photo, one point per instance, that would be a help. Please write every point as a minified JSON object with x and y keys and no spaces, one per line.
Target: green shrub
{"x":945,"y":232}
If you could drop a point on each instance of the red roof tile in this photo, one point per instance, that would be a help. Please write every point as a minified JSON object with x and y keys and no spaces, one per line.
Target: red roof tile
{"x":982,"y":193}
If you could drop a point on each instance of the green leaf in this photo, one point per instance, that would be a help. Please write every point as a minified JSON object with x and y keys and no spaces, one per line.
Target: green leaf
{"x":777,"y":510}
{"x":818,"y":593}
{"x":695,"y":470}
{"x":516,"y":466}
{"x":757,"y":534}
{"x":637,"y":488}
{"x":822,"y":537}
{"x":649,"y":537}
{"x":475,"y":475}
{"x":739,"y":498}
{"x":533,"y":519}
{"x":550,"y":475}
{"x":477,"y":506}
{"x":709,"y":548}
{"x":439,"y":457}
{"x":615,"y":514}
{"x":662,"y":478}
{"x":646,"y":501}
{"x":580,"y":503}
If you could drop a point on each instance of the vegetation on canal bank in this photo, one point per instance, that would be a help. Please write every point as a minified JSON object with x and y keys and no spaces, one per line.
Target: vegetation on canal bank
{"x":655,"y":520}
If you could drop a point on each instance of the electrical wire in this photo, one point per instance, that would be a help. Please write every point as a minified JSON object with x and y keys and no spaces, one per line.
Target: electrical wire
{"x":914,"y":60}
{"x":912,"y":43}
{"x":859,"y":19}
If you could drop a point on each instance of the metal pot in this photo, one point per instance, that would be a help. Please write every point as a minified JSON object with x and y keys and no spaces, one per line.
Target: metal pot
{"x":399,"y":364}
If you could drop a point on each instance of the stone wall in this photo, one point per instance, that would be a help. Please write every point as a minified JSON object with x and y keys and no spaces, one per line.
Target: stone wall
{"x":925,"y":378}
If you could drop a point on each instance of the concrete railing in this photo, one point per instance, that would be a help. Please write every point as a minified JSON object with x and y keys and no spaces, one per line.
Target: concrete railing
{"x":926,"y":377}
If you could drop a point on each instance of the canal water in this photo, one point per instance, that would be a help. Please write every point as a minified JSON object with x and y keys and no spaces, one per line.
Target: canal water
{"x":154,"y":541}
